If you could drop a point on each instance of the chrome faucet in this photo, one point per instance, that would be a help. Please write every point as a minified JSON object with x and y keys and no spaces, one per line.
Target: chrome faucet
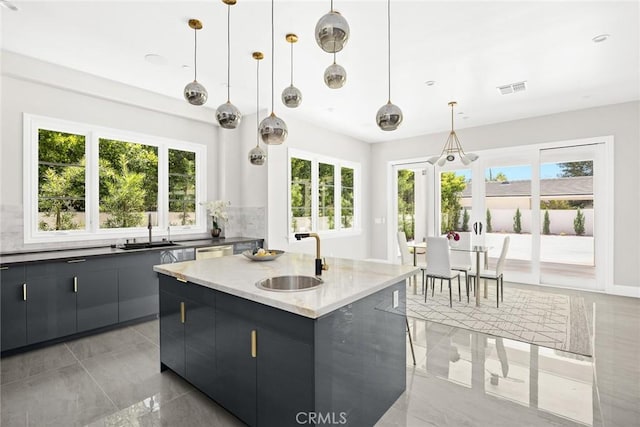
{"x":149,"y":227}
{"x":320,"y":265}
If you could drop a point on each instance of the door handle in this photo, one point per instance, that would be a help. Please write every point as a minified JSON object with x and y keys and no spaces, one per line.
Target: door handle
{"x":254,"y":343}
{"x":75,"y":284}
{"x":24,"y":292}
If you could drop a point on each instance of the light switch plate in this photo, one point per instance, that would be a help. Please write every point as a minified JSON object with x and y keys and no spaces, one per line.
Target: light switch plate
{"x":395,"y":298}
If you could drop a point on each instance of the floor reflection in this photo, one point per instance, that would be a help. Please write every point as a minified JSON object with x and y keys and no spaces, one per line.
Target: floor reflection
{"x":552,"y":381}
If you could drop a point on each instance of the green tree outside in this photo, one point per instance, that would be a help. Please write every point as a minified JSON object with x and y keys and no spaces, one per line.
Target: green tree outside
{"x":517,"y":221}
{"x":489,"y":226}
{"x":125,"y":198}
{"x":578,"y":223}
{"x":465,"y":220}
{"x":546,"y":223}
{"x":451,"y":187}
{"x":406,"y":202}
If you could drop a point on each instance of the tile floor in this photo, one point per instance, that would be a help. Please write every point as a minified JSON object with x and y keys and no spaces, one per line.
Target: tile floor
{"x":461,"y":379}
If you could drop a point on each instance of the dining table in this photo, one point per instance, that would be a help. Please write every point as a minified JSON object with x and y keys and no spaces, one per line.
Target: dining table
{"x":477,"y":249}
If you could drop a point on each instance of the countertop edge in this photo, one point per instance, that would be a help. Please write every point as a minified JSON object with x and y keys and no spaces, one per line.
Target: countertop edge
{"x":262,"y":297}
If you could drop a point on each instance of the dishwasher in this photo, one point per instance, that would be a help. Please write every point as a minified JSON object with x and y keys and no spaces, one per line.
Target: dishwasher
{"x":214,"y":251}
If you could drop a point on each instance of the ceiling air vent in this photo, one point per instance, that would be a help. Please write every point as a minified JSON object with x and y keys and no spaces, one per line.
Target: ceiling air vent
{"x":513,"y":88}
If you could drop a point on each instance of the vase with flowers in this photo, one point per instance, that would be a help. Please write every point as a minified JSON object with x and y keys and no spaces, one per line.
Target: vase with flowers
{"x":217,"y":210}
{"x":453,"y":238}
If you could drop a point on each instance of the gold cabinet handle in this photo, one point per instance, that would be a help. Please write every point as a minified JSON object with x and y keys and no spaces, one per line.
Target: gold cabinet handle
{"x":180,"y":279}
{"x":182,"y":313}
{"x":4,"y":268}
{"x":75,"y":261}
{"x":254,"y":343}
{"x":75,"y":284}
{"x":24,"y":292}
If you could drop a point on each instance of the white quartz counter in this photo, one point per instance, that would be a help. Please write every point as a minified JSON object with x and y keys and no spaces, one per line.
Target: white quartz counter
{"x":346,"y":280}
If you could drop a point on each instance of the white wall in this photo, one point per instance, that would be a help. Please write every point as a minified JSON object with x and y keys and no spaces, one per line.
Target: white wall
{"x":620,"y":120}
{"x":36,"y":87}
{"x":305,"y":136}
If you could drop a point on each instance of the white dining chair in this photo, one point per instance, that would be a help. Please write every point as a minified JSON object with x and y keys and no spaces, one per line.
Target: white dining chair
{"x":497,"y":274}
{"x":461,"y":261}
{"x":439,"y":266}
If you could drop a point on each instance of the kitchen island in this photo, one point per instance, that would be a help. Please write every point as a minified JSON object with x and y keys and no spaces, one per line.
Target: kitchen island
{"x":331,"y":354}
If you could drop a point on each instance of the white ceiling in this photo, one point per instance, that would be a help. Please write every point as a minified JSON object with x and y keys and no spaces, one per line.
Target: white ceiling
{"x":468,"y":48}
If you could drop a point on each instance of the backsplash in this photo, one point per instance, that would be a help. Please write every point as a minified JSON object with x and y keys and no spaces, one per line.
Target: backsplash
{"x":243,"y":222}
{"x":246,"y":222}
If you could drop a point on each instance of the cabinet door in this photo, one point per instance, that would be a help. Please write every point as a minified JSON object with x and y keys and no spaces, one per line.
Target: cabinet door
{"x":284,"y":379}
{"x":97,"y":293}
{"x":199,"y":337}
{"x":51,"y":307}
{"x":236,"y":367}
{"x":172,"y":332}
{"x":138,"y":286}
{"x":14,"y":308}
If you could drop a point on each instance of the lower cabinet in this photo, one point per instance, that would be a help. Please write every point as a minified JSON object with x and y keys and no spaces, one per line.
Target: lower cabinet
{"x":254,"y":360}
{"x":137,"y":285}
{"x":187,"y":332}
{"x":44,"y":301}
{"x":13,"y":329}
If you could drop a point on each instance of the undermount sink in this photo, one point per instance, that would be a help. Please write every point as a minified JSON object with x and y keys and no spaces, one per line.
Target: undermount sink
{"x":145,"y":245}
{"x":289,"y":283}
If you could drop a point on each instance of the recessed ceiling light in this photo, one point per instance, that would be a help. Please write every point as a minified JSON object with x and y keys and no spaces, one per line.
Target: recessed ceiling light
{"x":600,"y":38}
{"x":430,"y":82}
{"x":155,"y":59}
{"x":9,"y":5}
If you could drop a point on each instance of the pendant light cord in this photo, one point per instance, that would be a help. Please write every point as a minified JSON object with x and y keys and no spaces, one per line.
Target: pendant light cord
{"x":389,"y":45}
{"x":331,"y":5}
{"x":257,"y":102}
{"x":291,"y":63}
{"x":272,"y":56}
{"x":195,"y":55}
{"x":228,"y":53}
{"x":451,"y":118}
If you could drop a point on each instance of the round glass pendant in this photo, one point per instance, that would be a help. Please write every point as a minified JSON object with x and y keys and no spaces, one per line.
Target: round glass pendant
{"x":273,"y":130}
{"x":228,"y":116}
{"x":332,"y":32}
{"x":257,"y":156}
{"x":389,"y":116}
{"x":335,"y":76}
{"x":291,"y":97}
{"x":195,"y":93}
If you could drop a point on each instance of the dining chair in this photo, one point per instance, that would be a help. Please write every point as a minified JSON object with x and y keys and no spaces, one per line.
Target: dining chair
{"x":461,"y":261}
{"x":497,"y":274}
{"x":405,"y":254}
{"x":439,"y":266}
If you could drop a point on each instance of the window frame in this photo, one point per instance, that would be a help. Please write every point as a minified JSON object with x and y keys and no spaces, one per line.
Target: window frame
{"x":93,"y":133}
{"x":338,"y":164}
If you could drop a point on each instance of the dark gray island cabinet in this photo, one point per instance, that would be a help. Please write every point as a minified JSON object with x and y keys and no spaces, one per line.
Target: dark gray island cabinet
{"x":287,"y":358}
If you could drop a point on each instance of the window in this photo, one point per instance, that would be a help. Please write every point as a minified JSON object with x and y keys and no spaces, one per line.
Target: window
{"x":85,"y":182}
{"x":323,"y":194}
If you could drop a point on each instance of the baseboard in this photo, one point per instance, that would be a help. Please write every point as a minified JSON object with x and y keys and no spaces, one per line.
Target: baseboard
{"x":624,"y":291}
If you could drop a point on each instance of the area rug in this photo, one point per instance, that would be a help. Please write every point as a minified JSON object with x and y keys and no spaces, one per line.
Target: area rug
{"x":541,"y":318}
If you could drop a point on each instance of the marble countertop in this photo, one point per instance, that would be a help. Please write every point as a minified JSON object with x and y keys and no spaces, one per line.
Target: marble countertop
{"x":346,"y":280}
{"x":66,"y":254}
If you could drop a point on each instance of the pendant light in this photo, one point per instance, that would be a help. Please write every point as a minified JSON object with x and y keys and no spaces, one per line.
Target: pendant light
{"x":452,"y":147}
{"x":257,"y":156}
{"x":389,"y":116}
{"x":273,"y":129}
{"x":335,"y":76}
{"x":194,"y":92}
{"x":291,"y":95}
{"x":332,"y":31}
{"x":227,"y":115}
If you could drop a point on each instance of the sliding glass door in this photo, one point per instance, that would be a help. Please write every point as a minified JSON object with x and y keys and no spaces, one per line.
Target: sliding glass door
{"x":549,"y":199}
